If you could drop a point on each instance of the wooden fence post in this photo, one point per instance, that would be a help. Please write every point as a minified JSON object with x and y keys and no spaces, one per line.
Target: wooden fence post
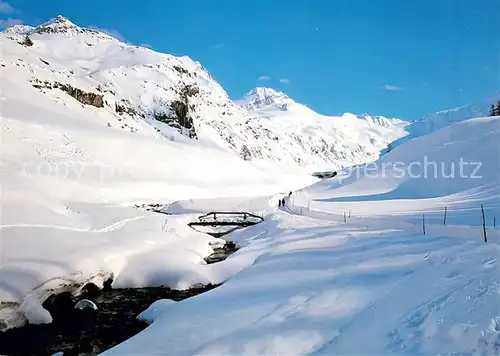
{"x":484,"y":224}
{"x":423,"y":223}
{"x":445,"y":211}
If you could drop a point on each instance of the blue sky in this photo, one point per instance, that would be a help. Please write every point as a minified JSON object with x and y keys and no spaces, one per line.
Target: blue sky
{"x":401,"y":58}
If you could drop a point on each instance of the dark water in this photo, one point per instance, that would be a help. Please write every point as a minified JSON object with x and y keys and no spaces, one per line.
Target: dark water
{"x":88,"y":332}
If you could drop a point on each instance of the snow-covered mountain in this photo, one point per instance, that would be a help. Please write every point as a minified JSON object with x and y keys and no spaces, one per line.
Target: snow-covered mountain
{"x":297,"y":134}
{"x":154,"y":94}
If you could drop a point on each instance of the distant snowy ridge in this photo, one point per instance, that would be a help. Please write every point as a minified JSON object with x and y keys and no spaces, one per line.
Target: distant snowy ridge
{"x":175,"y":98}
{"x":436,"y":121}
{"x":327,"y":142}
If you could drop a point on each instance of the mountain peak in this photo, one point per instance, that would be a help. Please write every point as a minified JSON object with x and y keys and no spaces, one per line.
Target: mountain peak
{"x":57,"y":25}
{"x":60,"y":20}
{"x":268,"y":98}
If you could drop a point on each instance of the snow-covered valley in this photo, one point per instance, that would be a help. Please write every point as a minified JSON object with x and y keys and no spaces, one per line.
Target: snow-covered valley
{"x":92,"y":126}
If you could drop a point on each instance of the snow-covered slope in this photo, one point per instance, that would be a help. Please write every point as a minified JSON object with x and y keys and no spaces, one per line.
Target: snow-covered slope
{"x":308,"y":282}
{"x":457,"y":167}
{"x":155,"y":94}
{"x":435,"y":121}
{"x":316,"y":287}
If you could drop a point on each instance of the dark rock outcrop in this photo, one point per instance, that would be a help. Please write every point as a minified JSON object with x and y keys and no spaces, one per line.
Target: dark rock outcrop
{"x":124,"y":107}
{"x":181,"y":70}
{"x":26,"y":42}
{"x":245,"y":153}
{"x":178,"y":119}
{"x":178,"y":115}
{"x":82,"y":96}
{"x":189,"y":91}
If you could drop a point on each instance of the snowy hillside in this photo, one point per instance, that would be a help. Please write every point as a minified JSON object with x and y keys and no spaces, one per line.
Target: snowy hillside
{"x":308,"y":282}
{"x":160,"y":95}
{"x":456,"y":167}
{"x":440,"y":119}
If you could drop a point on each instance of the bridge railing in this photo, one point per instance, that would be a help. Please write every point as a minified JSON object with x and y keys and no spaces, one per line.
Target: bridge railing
{"x":230,"y":216}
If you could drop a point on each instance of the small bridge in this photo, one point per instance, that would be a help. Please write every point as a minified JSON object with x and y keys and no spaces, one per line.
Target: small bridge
{"x":228,"y":218}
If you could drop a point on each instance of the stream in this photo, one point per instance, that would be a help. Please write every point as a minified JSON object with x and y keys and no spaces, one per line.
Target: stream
{"x":89,"y":332}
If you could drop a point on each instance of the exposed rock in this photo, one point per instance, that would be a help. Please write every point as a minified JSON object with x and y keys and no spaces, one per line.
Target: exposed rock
{"x":178,"y":119}
{"x":82,"y":96}
{"x":181,"y":70}
{"x":125,"y":107}
{"x":178,"y":114}
{"x":85,"y":304}
{"x":189,"y":91}
{"x":245,"y":153}
{"x":181,"y":110}
{"x":26,"y":41}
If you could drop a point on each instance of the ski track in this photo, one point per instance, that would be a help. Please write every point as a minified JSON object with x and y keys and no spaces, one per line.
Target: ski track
{"x":112,"y":227}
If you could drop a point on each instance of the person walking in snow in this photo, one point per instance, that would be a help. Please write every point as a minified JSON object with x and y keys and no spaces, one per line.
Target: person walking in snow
{"x":283,"y":202}
{"x":279,"y":203}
